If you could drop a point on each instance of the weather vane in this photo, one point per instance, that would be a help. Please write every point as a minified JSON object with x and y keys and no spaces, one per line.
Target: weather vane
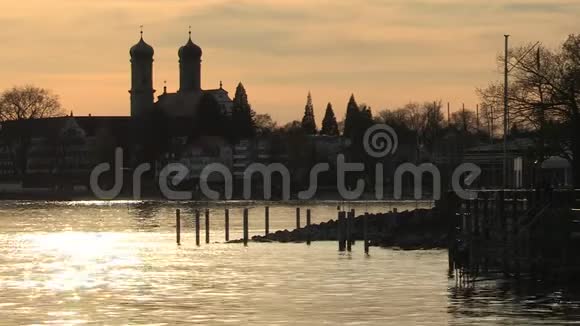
{"x":189,"y":31}
{"x":141,"y":30}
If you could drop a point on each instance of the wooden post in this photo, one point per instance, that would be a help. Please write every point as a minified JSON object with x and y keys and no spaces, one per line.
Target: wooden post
{"x":501,"y":210}
{"x":197,"y":227}
{"x":267,"y":220}
{"x":448,"y":215}
{"x":178,"y":225}
{"x":227,"y":224}
{"x":515,"y":212}
{"x":207,"y":225}
{"x":245,"y":227}
{"x":529,"y":199}
{"x":349,"y":231}
{"x":352,"y":228}
{"x":513,"y":236}
{"x":503,"y":236}
{"x":308,"y":226}
{"x":338,"y":228}
{"x":469,"y":218}
{"x":341,"y":228}
{"x":365,"y":233}
{"x":476,"y":215}
{"x":486,"y":222}
{"x":297,"y":218}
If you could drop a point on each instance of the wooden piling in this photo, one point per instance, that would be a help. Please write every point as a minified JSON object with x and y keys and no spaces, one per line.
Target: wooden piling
{"x":503,"y":226}
{"x":297,"y":218}
{"x":529,"y":199}
{"x":349,"y":231}
{"x":352,"y":228}
{"x":197,"y":227}
{"x":486,"y":223}
{"x":468,"y":214}
{"x":178,"y":226}
{"x":476,"y":216}
{"x":338,"y":229}
{"x":207,"y":226}
{"x":450,"y":231}
{"x":341,"y":230}
{"x":308,"y":226}
{"x":227,"y":224}
{"x":246,"y":227}
{"x":266,"y":220}
{"x":515,"y":205}
{"x":501,"y":210}
{"x":365,"y":233}
{"x":514,"y":231}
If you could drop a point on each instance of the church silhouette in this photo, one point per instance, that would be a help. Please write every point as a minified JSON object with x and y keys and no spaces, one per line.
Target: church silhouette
{"x":183,"y":103}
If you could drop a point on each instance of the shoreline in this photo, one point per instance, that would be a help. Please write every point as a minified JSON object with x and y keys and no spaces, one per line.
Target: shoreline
{"x":70,"y":196}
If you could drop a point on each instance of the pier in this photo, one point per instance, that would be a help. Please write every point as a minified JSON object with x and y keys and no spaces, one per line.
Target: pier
{"x":514,"y":234}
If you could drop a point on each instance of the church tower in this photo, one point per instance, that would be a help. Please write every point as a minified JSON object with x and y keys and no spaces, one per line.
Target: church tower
{"x":189,"y":66}
{"x":141,"y":78}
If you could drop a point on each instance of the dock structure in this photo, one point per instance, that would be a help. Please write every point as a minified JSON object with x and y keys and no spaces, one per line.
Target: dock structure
{"x":515,"y":233}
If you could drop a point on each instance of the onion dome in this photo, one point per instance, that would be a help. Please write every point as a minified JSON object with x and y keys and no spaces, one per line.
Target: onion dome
{"x":141,"y":49}
{"x":189,"y":50}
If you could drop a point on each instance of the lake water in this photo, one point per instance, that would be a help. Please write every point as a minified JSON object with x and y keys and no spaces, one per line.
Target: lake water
{"x":117,"y":263}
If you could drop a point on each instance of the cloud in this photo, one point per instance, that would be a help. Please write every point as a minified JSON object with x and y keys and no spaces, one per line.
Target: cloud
{"x":386,"y":51}
{"x":541,"y":7}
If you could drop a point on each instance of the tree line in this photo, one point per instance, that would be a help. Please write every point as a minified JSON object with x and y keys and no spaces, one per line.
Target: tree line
{"x":544,"y":104}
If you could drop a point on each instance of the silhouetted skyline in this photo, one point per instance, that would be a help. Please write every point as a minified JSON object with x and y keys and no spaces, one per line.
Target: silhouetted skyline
{"x":387,"y":54}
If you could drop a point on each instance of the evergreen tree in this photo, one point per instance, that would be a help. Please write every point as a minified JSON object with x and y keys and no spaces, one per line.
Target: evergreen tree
{"x":308,"y":121}
{"x":358,"y":119}
{"x":329,"y":124}
{"x":243,"y":124}
{"x":350,"y":121}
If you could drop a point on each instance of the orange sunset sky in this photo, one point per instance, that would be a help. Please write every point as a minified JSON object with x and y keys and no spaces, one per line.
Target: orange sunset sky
{"x":385,"y":52}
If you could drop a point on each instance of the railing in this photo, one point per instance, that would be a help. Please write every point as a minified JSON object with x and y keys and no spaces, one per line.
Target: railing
{"x":500,"y":224}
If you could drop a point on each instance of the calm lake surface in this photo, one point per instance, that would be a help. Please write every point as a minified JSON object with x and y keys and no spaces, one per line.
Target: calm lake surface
{"x":117,"y":263}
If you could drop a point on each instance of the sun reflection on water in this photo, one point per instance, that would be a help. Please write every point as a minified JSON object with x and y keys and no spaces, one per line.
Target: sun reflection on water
{"x":73,"y":260}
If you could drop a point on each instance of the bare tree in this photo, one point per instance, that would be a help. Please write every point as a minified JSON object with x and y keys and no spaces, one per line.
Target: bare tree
{"x":264,"y":124}
{"x":29,"y":102}
{"x":545,"y":90}
{"x":425,"y":121}
{"x":393,"y":118}
{"x":490,"y":119}
{"x":25,"y":103}
{"x":464,"y":121}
